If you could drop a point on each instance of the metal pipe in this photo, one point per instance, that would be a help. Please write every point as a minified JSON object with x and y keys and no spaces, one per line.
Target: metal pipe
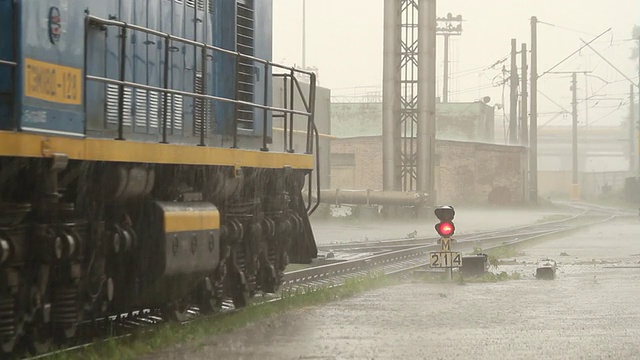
{"x":236,"y":108}
{"x":311,"y":118}
{"x":284,"y":118}
{"x":123,"y":65}
{"x":304,"y":101}
{"x":317,"y":153}
{"x":291,"y":115}
{"x":203,"y":102}
{"x":8,"y":63}
{"x":391,"y":93}
{"x":426,"y":94}
{"x":373,"y":197}
{"x":165,"y":96}
{"x":265,"y":112}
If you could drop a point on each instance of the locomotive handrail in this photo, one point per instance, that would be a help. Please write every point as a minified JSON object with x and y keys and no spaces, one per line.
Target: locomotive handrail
{"x":311,"y":127}
{"x":8,"y":63}
{"x":190,"y":94}
{"x":204,"y":47}
{"x":311,"y":210}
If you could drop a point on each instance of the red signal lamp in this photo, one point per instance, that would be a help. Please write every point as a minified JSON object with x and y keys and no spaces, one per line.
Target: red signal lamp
{"x":445,"y":228}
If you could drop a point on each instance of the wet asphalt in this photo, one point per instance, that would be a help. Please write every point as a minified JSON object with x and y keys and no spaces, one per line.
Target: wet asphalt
{"x":590,"y":311}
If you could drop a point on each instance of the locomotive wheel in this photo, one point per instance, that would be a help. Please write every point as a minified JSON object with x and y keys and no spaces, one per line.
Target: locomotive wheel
{"x":39,"y":340}
{"x":207,"y":296}
{"x":240,"y":298}
{"x":240,"y":293}
{"x":176,"y":311}
{"x":7,"y":347}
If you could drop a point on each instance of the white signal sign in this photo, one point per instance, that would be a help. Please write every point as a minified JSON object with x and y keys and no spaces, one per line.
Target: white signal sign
{"x":446,"y":244}
{"x":445,"y":259}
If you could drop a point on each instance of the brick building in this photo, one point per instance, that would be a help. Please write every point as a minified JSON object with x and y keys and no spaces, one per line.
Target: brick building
{"x":467,"y":172}
{"x":469,"y":167}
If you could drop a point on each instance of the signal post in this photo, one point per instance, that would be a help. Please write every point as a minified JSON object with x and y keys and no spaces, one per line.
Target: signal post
{"x":445,"y":258}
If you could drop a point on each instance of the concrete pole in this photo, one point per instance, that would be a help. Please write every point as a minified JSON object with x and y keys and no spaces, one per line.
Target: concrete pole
{"x":638,"y":125}
{"x":533,"y":117}
{"x":513,"y":107}
{"x":445,"y":77}
{"x":304,"y":34}
{"x":524,"y":107}
{"x":426,"y":95}
{"x":575,"y":190}
{"x":632,"y":130}
{"x":391,"y":96}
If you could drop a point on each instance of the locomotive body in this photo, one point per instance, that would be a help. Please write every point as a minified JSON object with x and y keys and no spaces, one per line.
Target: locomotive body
{"x":135,"y":161}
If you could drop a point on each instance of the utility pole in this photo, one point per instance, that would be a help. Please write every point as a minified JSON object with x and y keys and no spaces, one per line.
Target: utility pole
{"x":523,"y":105}
{"x":446,"y":28}
{"x":513,"y":83}
{"x":632,"y":130}
{"x":533,"y":133}
{"x":304,"y":34}
{"x":638,"y":153}
{"x":575,"y":189}
{"x":445,"y":77}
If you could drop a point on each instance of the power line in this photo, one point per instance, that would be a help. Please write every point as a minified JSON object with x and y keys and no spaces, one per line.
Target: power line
{"x":608,"y":62}
{"x":575,"y":52}
{"x":565,"y":28}
{"x":553,"y":101}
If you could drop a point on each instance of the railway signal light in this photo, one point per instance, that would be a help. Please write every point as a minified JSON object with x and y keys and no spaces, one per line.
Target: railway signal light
{"x":445,"y":227}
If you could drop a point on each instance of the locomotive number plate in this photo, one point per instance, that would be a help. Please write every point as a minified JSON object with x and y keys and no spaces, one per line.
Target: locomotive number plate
{"x":51,"y":82}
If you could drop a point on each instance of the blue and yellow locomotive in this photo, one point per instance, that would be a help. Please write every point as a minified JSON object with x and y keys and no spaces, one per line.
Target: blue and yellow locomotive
{"x":136,"y":161}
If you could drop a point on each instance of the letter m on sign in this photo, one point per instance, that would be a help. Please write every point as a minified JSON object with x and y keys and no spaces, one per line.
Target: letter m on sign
{"x":446,"y":244}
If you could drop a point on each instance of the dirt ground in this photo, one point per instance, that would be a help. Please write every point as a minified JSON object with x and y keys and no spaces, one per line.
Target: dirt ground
{"x":590,"y":311}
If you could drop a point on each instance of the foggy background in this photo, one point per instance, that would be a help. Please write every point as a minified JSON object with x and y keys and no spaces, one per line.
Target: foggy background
{"x":344,"y":41}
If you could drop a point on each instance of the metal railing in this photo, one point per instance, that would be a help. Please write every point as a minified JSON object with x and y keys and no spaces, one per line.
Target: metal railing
{"x":206,"y":52}
{"x":8,"y":63}
{"x":312,"y":144}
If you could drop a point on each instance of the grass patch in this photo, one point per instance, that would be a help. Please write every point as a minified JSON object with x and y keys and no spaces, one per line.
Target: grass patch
{"x":201,"y":330}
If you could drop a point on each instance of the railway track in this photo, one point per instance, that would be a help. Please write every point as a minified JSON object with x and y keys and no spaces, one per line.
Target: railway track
{"x":390,"y":257}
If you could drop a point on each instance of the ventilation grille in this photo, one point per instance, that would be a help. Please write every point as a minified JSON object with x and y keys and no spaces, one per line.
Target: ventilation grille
{"x":112,"y":105}
{"x":201,"y":118}
{"x":143,"y":110}
{"x":245,"y":40}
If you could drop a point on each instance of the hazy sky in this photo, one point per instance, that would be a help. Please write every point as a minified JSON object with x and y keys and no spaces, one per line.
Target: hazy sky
{"x":344,"y":40}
